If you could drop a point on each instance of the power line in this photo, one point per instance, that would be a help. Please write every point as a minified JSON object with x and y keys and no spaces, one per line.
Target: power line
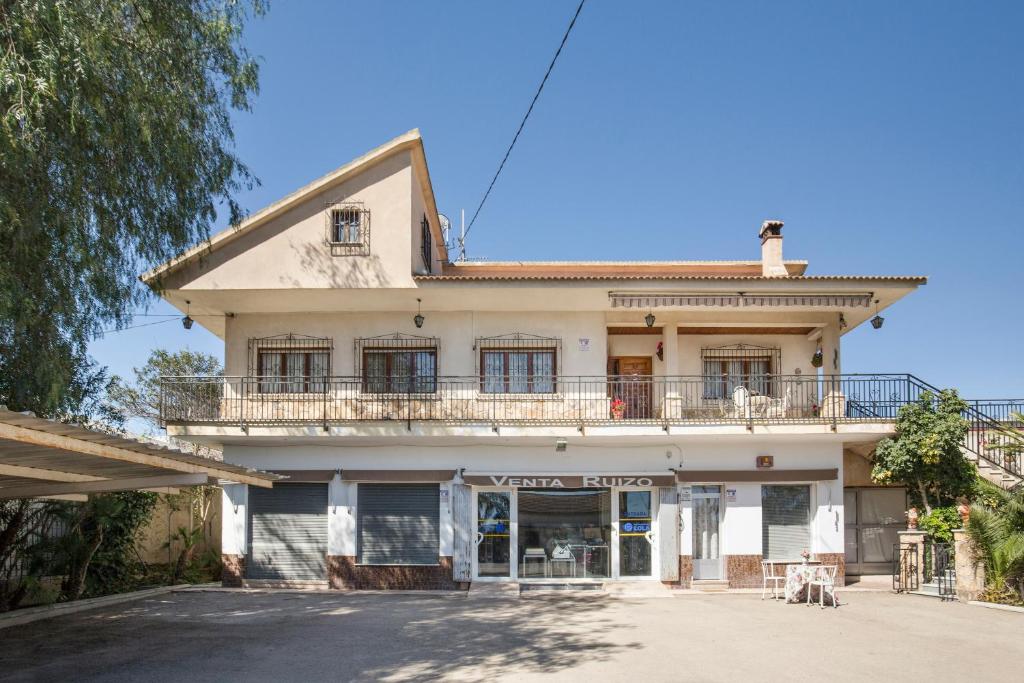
{"x":135,"y":327}
{"x":523,"y":122}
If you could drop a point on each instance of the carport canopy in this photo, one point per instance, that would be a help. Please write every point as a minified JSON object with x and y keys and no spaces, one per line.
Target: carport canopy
{"x":42,"y":458}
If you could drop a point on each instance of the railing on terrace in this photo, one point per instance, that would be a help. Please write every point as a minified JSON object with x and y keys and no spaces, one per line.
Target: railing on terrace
{"x":663,"y":401}
{"x":542,"y":400}
{"x":1003,"y":410}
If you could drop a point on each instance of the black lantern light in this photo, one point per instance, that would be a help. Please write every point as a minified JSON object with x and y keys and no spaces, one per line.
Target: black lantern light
{"x":649,"y":319}
{"x":187,"y":321}
{"x":418,"y":318}
{"x":878,"y":320}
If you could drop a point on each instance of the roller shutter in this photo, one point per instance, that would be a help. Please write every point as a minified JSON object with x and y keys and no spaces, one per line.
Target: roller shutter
{"x":288,"y":532}
{"x":785,"y":521}
{"x":398,"y":523}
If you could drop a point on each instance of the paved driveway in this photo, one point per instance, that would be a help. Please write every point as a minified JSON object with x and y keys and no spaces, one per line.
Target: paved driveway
{"x":217,"y":636}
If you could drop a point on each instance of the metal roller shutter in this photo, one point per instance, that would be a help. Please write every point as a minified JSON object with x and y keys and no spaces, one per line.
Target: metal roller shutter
{"x":398,"y":523}
{"x":288,"y":532}
{"x":785,"y":521}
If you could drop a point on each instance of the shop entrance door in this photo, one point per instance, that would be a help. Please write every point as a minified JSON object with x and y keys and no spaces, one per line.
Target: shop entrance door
{"x":493,"y":534}
{"x":707,"y":561}
{"x":635,"y":540}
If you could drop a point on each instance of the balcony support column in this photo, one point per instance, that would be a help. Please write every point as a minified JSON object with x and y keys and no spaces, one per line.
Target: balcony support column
{"x":833,"y":362}
{"x":671,"y":400}
{"x":833,"y":404}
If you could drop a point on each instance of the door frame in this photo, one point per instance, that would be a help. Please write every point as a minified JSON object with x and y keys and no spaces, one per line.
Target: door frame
{"x":613,"y":555}
{"x":861,"y":568}
{"x":513,"y":539}
{"x":693,"y":529}
{"x":649,"y":386}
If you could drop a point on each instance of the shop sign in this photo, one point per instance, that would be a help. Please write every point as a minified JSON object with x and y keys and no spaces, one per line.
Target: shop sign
{"x":555,"y":481}
{"x":636,"y":527}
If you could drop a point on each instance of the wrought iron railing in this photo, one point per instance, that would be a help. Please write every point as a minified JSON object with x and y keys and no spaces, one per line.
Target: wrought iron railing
{"x":939,"y":568}
{"x":774,"y":399}
{"x":905,"y":578}
{"x":1002,"y":410}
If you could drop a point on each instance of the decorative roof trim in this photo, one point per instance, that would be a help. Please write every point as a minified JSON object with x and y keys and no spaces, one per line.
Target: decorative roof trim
{"x":906,"y":279}
{"x":740,"y":300}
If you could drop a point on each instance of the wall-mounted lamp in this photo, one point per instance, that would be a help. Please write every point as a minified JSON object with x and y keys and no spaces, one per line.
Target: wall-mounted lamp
{"x":187,"y":320}
{"x":418,"y":318}
{"x":561,"y":445}
{"x":649,"y":319}
{"x":878,"y":320}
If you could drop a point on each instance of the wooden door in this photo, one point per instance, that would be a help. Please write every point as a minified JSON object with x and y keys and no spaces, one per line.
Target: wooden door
{"x":630,"y":379}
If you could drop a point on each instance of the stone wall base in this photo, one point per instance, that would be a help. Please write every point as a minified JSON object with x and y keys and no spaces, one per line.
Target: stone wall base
{"x":233,"y":572}
{"x":343,"y":573}
{"x":743,"y":571}
{"x":685,"y":570}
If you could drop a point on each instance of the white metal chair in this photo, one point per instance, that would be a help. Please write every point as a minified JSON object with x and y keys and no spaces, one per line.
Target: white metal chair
{"x":825,"y":579}
{"x":535,"y":554}
{"x":779,"y":407}
{"x":741,"y":402}
{"x":768,"y":576}
{"x":562,"y":555}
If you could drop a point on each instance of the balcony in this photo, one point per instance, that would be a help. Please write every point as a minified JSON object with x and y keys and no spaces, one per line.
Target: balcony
{"x":581,"y":401}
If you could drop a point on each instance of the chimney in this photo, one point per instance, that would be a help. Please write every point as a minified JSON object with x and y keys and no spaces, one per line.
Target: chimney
{"x":771,"y":250}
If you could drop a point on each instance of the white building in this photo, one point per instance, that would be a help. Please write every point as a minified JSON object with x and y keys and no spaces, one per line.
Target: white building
{"x":442,"y":423}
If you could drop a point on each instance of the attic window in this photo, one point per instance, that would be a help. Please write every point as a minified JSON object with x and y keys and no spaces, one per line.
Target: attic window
{"x":347,"y":226}
{"x":425,"y":242}
{"x":348,"y":229}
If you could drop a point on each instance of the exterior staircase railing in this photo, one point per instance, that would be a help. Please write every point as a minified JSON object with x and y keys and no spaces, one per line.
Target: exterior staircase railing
{"x":982,"y":442}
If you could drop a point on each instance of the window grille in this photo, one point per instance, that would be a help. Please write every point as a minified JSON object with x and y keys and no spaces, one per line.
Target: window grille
{"x":290,"y":363}
{"x":518,"y":363}
{"x":397,"y":363}
{"x":348,"y":228}
{"x":425,"y":243}
{"x":725,"y":368}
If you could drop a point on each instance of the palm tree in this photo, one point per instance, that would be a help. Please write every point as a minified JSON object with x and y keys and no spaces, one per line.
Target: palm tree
{"x":996,"y":529}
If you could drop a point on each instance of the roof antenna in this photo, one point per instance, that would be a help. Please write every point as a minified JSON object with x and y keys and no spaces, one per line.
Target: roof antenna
{"x":462,"y":237}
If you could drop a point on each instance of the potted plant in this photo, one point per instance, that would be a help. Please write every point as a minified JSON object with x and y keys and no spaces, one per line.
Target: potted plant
{"x":818,"y":359}
{"x":618,"y":408}
{"x":806,"y":554}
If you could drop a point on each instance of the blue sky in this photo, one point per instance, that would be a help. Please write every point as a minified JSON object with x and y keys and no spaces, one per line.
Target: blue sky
{"x":889,"y":136}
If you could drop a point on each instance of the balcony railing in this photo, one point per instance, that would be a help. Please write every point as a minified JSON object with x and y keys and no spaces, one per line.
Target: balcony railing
{"x":560,"y":400}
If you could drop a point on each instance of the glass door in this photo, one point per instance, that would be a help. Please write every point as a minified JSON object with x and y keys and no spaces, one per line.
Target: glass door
{"x":707,"y":562}
{"x":493,"y":533}
{"x":635,"y":540}
{"x":874,"y":516}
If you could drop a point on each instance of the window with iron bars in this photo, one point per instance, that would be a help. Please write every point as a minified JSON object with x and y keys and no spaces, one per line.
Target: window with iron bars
{"x":290,"y":363}
{"x":348,"y":228}
{"x":397,"y":364}
{"x":425,"y":243}
{"x":518,"y":364}
{"x":726,"y":368}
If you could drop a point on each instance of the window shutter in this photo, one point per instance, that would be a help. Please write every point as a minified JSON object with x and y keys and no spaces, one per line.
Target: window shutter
{"x":785,"y":521}
{"x":398,"y":523}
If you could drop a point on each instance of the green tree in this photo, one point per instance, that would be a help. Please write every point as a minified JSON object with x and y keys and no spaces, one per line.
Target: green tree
{"x":925,"y":455}
{"x":140,"y":398}
{"x":116,"y":151}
